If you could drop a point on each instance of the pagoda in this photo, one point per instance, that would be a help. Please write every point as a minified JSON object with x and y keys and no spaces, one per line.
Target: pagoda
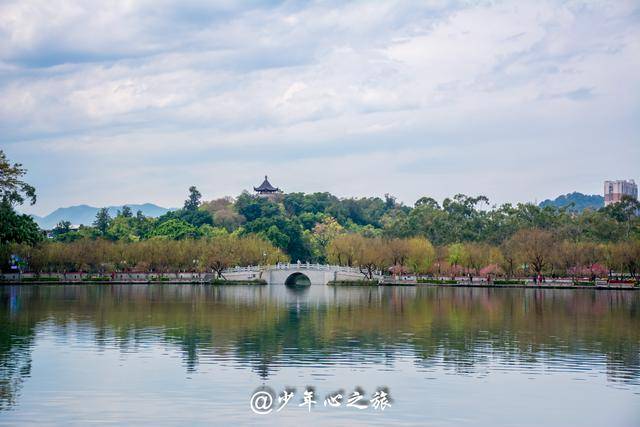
{"x":266,"y":189}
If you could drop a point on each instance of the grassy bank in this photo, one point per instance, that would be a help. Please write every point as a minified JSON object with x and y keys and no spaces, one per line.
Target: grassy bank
{"x":238,"y":282}
{"x":438,"y":281}
{"x":509,"y":282}
{"x":353,"y":283}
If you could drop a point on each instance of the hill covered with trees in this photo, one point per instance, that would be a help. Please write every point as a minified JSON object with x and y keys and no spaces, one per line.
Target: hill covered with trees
{"x":575,"y":202}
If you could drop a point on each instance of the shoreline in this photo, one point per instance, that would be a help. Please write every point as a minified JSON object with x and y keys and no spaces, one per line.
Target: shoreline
{"x":261,"y":283}
{"x":519,"y":286}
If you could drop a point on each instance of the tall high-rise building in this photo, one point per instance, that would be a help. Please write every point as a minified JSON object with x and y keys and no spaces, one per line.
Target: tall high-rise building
{"x":615,"y":190}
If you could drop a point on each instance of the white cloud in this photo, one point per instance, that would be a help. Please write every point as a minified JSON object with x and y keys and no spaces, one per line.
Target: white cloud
{"x":182,"y":85}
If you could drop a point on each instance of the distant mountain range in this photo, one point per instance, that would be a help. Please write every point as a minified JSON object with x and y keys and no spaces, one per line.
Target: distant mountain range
{"x":85,"y":214}
{"x":580,"y":201}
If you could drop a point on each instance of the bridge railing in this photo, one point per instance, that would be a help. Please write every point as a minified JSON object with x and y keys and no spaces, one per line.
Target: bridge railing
{"x":293,"y":266}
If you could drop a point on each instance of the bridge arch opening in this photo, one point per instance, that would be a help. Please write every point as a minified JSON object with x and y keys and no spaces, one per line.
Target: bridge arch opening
{"x":297,"y":279}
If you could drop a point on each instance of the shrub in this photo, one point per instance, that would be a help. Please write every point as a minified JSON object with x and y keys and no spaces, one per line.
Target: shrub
{"x":438,"y":281}
{"x":509,"y":282}
{"x":353,"y":283}
{"x":238,"y":282}
{"x":40,"y":279}
{"x":96,"y":279}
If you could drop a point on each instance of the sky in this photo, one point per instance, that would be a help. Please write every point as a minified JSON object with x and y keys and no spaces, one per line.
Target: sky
{"x":115,"y":102}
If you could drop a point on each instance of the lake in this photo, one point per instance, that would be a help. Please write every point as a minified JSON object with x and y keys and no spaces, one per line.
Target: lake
{"x":196,"y":355}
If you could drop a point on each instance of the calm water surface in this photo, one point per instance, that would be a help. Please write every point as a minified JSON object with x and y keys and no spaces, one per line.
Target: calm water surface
{"x":194,"y":355}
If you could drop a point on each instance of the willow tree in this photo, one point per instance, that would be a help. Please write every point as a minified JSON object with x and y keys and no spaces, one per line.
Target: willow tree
{"x":610,"y":258}
{"x":628,"y":255}
{"x":223,"y":252}
{"x":254,"y":250}
{"x":534,"y":247}
{"x":455,"y":256}
{"x":343,"y":249}
{"x":567,"y":255}
{"x":590,"y":255}
{"x":398,"y":251}
{"x":476,"y":256}
{"x":420,"y":255}
{"x":372,"y":254}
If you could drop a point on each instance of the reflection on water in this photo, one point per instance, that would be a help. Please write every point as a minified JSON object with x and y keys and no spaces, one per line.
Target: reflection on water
{"x":320,"y":333}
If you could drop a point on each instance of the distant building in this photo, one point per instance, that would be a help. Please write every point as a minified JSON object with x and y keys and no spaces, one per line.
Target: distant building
{"x":266,"y":189}
{"x":615,"y":190}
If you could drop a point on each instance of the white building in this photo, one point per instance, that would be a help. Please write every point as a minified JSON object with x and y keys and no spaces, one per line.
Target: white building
{"x":615,"y":190}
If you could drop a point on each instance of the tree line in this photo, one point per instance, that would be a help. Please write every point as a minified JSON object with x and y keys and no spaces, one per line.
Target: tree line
{"x":463,"y":233}
{"x":527,"y":252}
{"x":156,"y":256}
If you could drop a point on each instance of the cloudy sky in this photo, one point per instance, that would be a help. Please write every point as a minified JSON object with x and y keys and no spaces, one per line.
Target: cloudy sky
{"x":115,"y":102}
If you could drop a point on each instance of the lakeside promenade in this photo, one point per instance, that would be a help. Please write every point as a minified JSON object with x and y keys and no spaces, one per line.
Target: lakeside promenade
{"x":77,"y":278}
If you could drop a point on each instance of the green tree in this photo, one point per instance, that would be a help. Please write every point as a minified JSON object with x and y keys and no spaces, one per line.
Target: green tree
{"x":14,"y":227}
{"x":206,"y":230}
{"x":122,"y":228}
{"x":61,"y":228}
{"x":253,"y":208}
{"x":126,"y":212}
{"x":13,"y":190}
{"x":323,"y":233}
{"x":196,"y":218}
{"x":175,"y":229}
{"x":193,"y":202}
{"x":62,"y":232}
{"x":625,"y":212}
{"x":276,"y":228}
{"x":102,"y":221}
{"x":275,"y":236}
{"x":190,"y":213}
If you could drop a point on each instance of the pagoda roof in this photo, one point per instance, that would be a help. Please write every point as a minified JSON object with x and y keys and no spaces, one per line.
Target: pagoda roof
{"x":266,"y":186}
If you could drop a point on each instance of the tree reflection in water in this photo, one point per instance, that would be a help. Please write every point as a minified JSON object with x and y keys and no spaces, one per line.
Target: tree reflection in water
{"x":264,"y":328}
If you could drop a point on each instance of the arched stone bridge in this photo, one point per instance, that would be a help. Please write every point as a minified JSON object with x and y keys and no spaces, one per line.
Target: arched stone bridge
{"x":292,"y":274}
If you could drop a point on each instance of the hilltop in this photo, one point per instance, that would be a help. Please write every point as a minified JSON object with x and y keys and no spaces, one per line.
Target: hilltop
{"x":580,"y":202}
{"x":85,"y":214}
